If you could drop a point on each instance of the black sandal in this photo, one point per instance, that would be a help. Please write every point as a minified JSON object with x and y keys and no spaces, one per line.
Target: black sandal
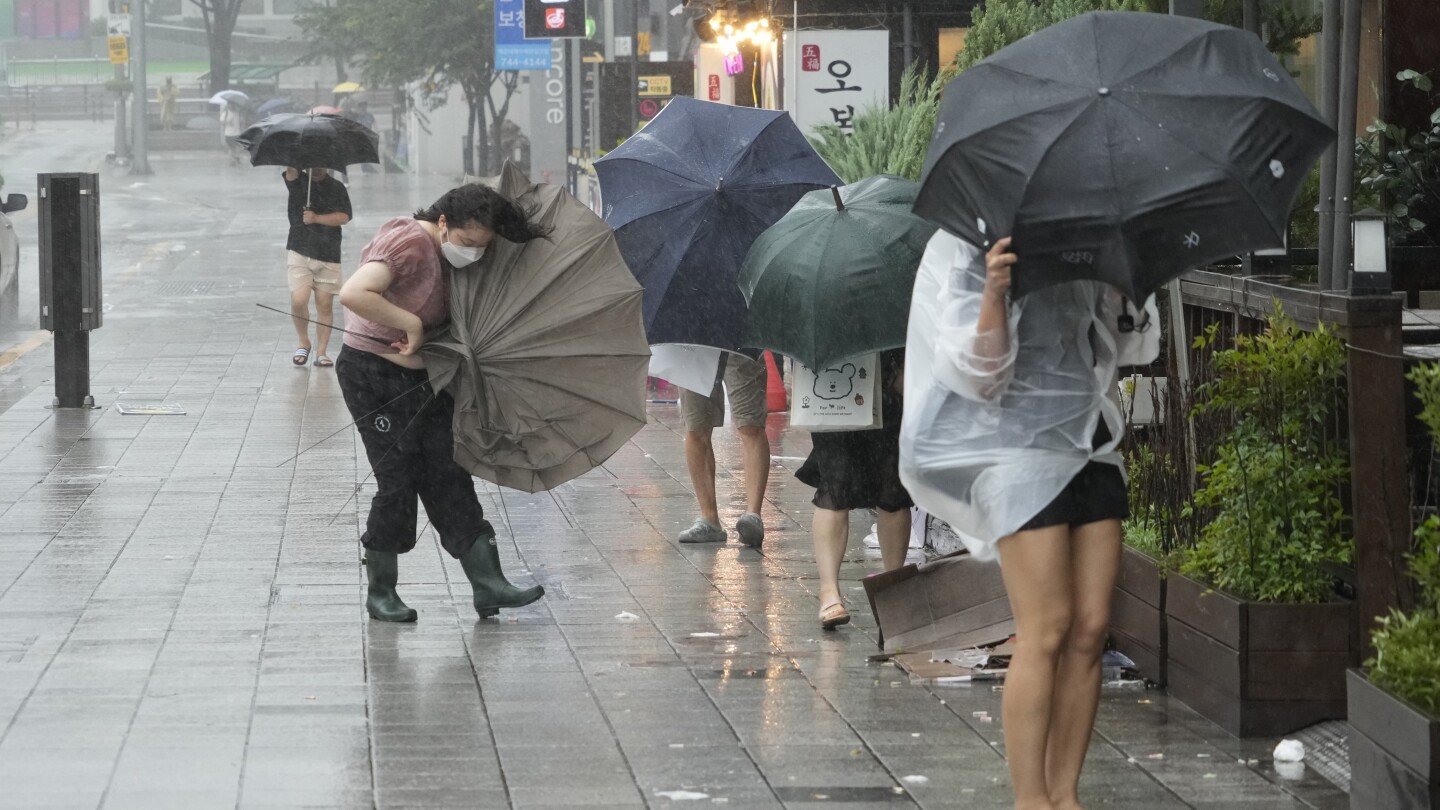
{"x":301,"y":356}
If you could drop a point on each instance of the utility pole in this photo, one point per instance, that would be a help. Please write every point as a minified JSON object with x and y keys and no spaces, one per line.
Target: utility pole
{"x":141,"y":158}
{"x":634,"y":65}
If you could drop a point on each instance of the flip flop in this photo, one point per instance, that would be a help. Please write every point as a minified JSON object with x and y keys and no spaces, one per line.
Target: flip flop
{"x":324,"y":361}
{"x":301,"y":355}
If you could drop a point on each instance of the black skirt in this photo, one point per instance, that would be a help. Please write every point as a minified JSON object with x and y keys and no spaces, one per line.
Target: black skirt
{"x":1096,"y":493}
{"x":860,"y":469}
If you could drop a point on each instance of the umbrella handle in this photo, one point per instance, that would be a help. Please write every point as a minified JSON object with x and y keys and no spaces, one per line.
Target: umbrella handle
{"x":309,"y":183}
{"x":839,"y":205}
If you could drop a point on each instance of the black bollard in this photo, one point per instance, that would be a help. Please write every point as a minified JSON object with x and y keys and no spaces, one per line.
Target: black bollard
{"x":70,"y":299}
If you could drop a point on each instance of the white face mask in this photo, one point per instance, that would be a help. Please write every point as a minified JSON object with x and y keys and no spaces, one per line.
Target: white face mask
{"x":459,"y":255}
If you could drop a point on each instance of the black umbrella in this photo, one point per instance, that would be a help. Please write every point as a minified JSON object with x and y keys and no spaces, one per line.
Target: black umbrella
{"x":1124,"y":147}
{"x":687,"y":196}
{"x":308,"y":141}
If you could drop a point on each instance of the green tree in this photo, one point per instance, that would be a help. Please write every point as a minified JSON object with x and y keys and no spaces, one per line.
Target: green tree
{"x":437,"y":44}
{"x":1000,"y":22}
{"x":1281,"y":26}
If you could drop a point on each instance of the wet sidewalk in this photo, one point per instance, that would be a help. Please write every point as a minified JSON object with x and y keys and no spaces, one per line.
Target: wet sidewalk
{"x":181,"y":605}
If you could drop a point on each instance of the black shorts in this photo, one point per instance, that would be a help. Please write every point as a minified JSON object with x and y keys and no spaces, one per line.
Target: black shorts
{"x":1096,"y":493}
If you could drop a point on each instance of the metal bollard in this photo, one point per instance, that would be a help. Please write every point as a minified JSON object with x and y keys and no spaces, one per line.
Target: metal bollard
{"x":70,"y":297}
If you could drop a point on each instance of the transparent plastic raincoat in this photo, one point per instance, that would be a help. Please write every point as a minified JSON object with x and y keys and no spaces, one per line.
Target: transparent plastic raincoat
{"x":985,"y":445}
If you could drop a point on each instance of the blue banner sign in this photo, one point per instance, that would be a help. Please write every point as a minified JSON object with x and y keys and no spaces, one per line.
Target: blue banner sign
{"x":512,"y":50}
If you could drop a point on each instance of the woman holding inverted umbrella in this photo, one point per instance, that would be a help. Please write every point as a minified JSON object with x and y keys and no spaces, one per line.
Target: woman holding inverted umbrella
{"x":1111,"y":151}
{"x":397,"y":295}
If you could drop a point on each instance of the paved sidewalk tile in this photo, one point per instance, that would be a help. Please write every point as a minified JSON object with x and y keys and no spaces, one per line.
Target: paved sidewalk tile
{"x":181,"y":600}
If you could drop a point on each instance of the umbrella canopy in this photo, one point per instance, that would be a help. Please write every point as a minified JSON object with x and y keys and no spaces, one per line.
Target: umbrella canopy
{"x":687,"y":196}
{"x":230,"y":97}
{"x":274,"y":105}
{"x":545,"y":353}
{"x":347,"y":87}
{"x":1124,"y":147}
{"x":833,"y":278}
{"x":307,"y":141}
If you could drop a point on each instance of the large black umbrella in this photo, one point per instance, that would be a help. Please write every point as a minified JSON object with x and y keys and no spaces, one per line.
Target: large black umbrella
{"x":310,"y":141}
{"x":1120,"y":146}
{"x":832,"y":279}
{"x":687,"y":196}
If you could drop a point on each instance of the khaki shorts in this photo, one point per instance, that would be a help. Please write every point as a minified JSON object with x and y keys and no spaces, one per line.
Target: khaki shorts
{"x":312,"y":274}
{"x":745,"y":383}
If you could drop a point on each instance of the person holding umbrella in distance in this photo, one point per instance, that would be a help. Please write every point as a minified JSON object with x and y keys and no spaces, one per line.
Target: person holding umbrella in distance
{"x":396,"y":297}
{"x":1074,"y":173}
{"x":319,"y":206}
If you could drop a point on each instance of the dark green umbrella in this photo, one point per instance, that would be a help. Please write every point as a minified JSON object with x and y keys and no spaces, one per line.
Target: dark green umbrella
{"x":832,"y":278}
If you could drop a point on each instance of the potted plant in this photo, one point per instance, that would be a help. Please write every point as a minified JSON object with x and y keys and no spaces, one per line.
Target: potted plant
{"x":1394,"y":704}
{"x":1257,"y":641}
{"x":1400,"y":175}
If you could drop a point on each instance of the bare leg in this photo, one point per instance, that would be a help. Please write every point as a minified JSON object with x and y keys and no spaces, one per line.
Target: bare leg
{"x":325,"y":314}
{"x":894,"y":531}
{"x":300,"y":311}
{"x":1036,"y":568}
{"x":831,"y":529}
{"x":700,"y":459}
{"x":756,"y":465}
{"x":1095,"y":561}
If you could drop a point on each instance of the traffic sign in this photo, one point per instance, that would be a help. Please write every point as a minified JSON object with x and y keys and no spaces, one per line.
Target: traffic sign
{"x":118,"y":25}
{"x":119,"y":51}
{"x":654,"y":86}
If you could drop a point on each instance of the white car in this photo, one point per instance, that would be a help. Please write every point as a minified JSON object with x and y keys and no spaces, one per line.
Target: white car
{"x":10,"y":262}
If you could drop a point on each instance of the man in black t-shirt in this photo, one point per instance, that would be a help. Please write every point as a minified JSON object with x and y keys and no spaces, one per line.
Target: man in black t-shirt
{"x":319,"y":206}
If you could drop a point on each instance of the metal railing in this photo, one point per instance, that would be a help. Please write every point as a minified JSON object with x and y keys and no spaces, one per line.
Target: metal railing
{"x":57,"y":71}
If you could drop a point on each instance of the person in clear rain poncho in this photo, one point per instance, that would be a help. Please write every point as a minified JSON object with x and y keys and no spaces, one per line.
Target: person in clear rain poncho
{"x":1009,"y":435}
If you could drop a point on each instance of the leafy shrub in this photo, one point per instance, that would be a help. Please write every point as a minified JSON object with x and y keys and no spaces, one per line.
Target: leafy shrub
{"x":890,"y":140}
{"x":1273,"y":487}
{"x":1401,"y":171}
{"x":1407,"y":645}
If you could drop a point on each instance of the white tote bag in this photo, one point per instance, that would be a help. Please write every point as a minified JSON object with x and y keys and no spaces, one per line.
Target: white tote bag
{"x":843,"y":396}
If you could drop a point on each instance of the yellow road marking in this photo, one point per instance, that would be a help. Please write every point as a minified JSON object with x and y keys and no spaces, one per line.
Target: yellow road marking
{"x":16,"y":352}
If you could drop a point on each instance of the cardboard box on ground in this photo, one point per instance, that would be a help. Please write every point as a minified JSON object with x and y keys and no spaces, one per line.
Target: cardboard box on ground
{"x":945,"y":620}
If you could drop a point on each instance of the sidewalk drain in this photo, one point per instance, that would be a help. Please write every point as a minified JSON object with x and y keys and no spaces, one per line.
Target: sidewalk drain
{"x":184,"y":288}
{"x":1327,"y":750}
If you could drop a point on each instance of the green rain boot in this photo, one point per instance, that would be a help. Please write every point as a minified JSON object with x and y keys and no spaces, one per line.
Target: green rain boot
{"x":382,"y":568}
{"x":492,"y":590}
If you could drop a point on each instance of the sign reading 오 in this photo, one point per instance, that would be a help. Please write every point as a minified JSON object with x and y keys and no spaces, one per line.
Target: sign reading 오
{"x":837,"y":75}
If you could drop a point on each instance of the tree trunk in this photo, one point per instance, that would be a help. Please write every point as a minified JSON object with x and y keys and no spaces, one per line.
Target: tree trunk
{"x":219,"y":17}
{"x":219,"y":60}
{"x":509,"y":80}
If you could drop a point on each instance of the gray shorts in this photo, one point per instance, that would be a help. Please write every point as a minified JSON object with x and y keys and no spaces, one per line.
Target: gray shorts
{"x":744,"y":381}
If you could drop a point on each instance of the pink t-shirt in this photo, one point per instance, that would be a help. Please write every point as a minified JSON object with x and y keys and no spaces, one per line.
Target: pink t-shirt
{"x":417,"y":284}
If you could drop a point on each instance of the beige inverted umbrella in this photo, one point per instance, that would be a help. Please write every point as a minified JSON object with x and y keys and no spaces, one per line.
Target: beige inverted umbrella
{"x":545,"y":353}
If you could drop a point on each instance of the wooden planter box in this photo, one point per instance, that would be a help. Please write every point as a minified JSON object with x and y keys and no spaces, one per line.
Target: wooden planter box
{"x":1137,"y":613}
{"x":1255,"y":668}
{"x":1394,"y":750}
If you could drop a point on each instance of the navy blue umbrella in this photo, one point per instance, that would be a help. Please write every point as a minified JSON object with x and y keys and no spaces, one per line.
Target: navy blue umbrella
{"x":688,"y":195}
